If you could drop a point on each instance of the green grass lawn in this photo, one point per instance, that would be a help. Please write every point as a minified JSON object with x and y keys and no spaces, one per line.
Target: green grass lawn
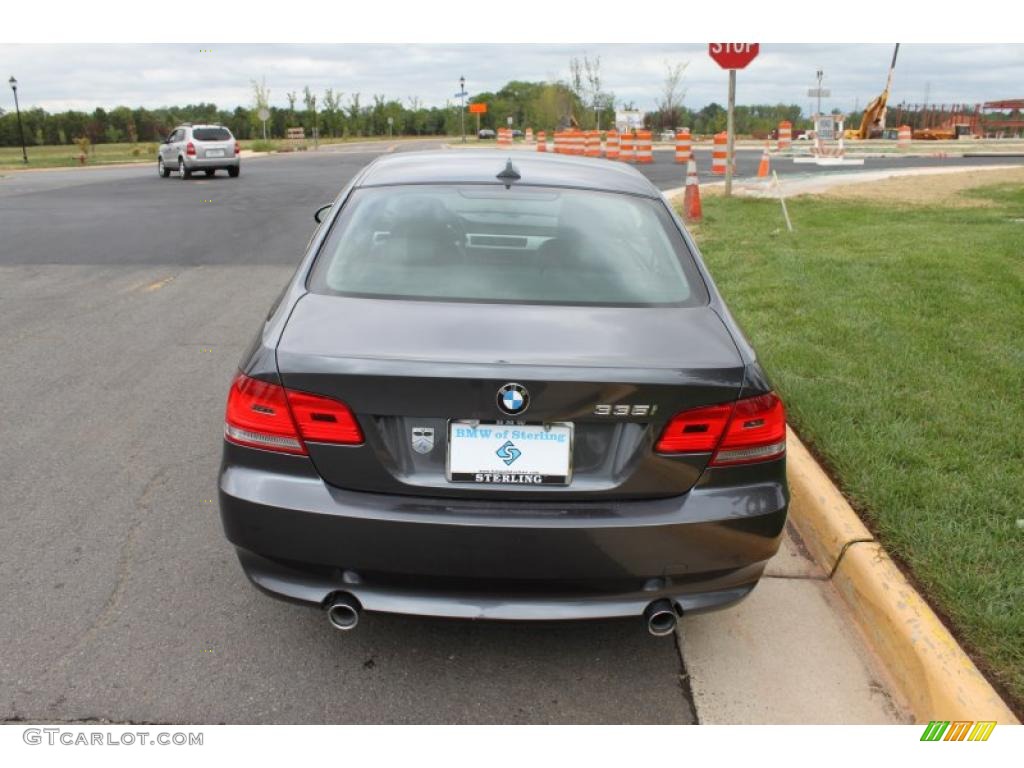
{"x":66,"y":156}
{"x":895,"y":336}
{"x":57,"y":156}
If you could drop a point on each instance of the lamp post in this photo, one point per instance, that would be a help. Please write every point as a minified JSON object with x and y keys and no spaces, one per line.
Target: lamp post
{"x":462,"y":110}
{"x":21,"y":131}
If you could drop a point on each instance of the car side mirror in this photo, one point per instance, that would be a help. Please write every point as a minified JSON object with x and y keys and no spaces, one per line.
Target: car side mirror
{"x":321,"y":211}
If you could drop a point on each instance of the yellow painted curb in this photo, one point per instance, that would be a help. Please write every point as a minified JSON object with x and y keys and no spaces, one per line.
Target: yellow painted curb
{"x":823,"y":517}
{"x":929,"y":667}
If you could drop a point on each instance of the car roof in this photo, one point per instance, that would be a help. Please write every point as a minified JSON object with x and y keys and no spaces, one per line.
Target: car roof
{"x":483,"y":167}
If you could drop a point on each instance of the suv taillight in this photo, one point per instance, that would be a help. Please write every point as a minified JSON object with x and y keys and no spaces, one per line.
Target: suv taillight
{"x":268,"y":416}
{"x":190,"y":149}
{"x":238,"y":148}
{"x":749,"y":430}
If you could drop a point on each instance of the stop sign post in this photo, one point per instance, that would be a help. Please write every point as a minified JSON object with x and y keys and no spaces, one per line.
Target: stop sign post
{"x":732,"y":56}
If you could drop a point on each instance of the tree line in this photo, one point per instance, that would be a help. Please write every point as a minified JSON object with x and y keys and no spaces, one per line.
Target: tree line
{"x":579,"y":101}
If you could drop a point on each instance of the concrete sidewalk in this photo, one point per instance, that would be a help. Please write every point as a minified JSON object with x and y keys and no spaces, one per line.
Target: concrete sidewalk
{"x":788,"y":654}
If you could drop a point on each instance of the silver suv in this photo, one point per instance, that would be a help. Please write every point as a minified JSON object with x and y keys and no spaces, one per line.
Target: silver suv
{"x":199,"y":148}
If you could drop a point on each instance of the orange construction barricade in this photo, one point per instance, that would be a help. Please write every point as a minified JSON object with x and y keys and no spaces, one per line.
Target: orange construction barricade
{"x":718,"y":153}
{"x":684,"y":146}
{"x":644,"y":148}
{"x":904,"y":137}
{"x":785,"y":135}
{"x":611,"y":145}
{"x":626,"y":152}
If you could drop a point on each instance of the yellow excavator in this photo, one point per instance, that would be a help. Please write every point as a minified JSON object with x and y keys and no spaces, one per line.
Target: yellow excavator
{"x":873,"y":122}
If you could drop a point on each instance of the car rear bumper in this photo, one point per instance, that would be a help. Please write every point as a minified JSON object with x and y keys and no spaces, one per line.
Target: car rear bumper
{"x":301,"y":539}
{"x":200,"y":163}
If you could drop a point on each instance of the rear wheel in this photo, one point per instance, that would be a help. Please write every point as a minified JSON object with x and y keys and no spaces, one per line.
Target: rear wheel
{"x":183,"y":172}
{"x":234,"y":170}
{"x":210,"y":171}
{"x":162,"y":169}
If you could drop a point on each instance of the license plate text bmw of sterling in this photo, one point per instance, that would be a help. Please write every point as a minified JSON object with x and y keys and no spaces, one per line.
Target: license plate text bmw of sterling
{"x":506,"y":390}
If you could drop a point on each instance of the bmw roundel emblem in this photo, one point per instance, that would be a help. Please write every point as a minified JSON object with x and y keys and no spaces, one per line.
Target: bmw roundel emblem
{"x":513,"y":399}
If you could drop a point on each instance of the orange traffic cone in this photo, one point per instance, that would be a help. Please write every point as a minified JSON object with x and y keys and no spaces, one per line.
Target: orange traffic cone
{"x":764,"y":169}
{"x":691,"y":198}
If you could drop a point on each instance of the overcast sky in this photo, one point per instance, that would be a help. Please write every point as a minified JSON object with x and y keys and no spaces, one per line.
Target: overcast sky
{"x":59,"y":77}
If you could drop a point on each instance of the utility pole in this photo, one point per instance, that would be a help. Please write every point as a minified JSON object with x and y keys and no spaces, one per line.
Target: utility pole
{"x":316,"y":132}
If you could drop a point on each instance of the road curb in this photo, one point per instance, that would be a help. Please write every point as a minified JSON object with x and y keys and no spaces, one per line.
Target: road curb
{"x":933,"y":673}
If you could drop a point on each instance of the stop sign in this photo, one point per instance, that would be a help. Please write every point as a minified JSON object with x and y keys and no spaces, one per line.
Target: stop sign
{"x":733,"y":55}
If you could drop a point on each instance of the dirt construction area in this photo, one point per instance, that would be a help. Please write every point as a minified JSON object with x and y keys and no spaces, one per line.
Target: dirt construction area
{"x":947,"y":190}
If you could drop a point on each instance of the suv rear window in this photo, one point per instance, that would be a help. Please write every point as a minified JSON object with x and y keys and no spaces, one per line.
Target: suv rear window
{"x":527,"y":245}
{"x":211,"y":134}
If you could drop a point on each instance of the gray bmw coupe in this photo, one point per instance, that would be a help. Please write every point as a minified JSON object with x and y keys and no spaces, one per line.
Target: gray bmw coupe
{"x":503,"y":389}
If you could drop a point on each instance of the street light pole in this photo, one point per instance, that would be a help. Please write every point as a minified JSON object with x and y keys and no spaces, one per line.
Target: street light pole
{"x":462,"y":110}
{"x":21,"y":131}
{"x":316,"y":133}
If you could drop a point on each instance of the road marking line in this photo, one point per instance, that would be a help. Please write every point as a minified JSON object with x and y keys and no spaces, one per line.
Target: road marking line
{"x":157,"y":285}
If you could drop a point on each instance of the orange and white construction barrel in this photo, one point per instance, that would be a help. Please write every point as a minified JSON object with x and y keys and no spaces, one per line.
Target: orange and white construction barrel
{"x":904,"y":136}
{"x":684,"y":146}
{"x":719,"y":153}
{"x":611,"y":145}
{"x":627,"y":153}
{"x":785,"y":135}
{"x":542,"y":141}
{"x":644,"y":148}
{"x":578,"y":143}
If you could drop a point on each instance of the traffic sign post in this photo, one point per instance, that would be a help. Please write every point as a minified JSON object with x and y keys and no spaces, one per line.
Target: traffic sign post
{"x":732,"y":56}
{"x":264,"y":115}
{"x":479,"y":108}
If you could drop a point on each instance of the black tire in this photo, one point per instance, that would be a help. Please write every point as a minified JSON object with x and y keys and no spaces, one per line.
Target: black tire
{"x":234,"y":170}
{"x":183,"y":172}
{"x":210,"y":171}
{"x":162,"y":169}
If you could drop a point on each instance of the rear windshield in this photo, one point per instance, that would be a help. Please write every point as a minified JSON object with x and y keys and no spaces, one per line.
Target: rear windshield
{"x":527,"y":245}
{"x":211,"y":134}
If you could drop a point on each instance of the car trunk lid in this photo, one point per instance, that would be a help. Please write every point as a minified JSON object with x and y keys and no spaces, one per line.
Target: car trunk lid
{"x":408,"y":368}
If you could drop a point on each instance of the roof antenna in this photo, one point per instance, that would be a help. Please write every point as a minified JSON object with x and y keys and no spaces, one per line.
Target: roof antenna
{"x":509,"y":175}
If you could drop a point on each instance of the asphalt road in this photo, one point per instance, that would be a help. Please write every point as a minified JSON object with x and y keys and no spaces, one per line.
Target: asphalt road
{"x":125,"y":302}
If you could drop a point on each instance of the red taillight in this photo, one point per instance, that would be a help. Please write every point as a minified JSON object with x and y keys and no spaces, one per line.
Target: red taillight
{"x":696,"y":431}
{"x":258,"y":415}
{"x":190,"y":149}
{"x":323,"y":420}
{"x":752,"y":429}
{"x":264,"y":415}
{"x":238,"y":148}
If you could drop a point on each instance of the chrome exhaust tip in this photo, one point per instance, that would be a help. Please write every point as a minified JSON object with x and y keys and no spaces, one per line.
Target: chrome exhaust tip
{"x":343,"y":612}
{"x":661,"y":618}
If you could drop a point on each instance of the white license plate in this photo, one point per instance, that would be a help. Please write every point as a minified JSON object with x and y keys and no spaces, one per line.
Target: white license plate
{"x":215,"y":153}
{"x":506,"y":454}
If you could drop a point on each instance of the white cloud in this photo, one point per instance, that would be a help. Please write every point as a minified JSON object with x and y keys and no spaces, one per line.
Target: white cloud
{"x":59,"y":77}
